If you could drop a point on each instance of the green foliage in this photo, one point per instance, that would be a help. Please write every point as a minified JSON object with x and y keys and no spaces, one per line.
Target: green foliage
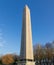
{"x":0,"y":61}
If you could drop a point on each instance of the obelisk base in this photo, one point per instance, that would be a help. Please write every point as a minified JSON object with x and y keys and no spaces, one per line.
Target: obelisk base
{"x":27,"y":63}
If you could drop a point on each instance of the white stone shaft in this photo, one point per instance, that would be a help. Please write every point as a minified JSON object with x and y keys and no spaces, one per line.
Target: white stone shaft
{"x":26,"y":41}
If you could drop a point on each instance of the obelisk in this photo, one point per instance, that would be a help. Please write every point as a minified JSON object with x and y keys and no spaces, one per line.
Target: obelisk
{"x":26,"y":52}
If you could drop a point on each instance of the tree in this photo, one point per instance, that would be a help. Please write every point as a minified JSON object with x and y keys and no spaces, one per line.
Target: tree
{"x":48,"y":53}
{"x":0,"y":61}
{"x":38,"y":53}
{"x":7,"y":59}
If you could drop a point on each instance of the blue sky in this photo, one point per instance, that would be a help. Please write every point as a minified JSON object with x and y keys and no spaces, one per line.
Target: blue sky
{"x":42,"y":18}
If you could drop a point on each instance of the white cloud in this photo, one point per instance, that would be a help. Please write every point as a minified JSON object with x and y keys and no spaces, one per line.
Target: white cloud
{"x":0,"y":30}
{"x":0,"y":33}
{"x":2,"y":41}
{"x":1,"y":38}
{"x":1,"y":45}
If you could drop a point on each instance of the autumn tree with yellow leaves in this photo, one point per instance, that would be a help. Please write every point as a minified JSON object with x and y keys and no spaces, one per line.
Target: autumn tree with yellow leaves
{"x":7,"y":59}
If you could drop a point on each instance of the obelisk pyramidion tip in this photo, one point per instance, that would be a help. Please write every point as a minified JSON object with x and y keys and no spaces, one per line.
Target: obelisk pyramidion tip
{"x":26,"y":6}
